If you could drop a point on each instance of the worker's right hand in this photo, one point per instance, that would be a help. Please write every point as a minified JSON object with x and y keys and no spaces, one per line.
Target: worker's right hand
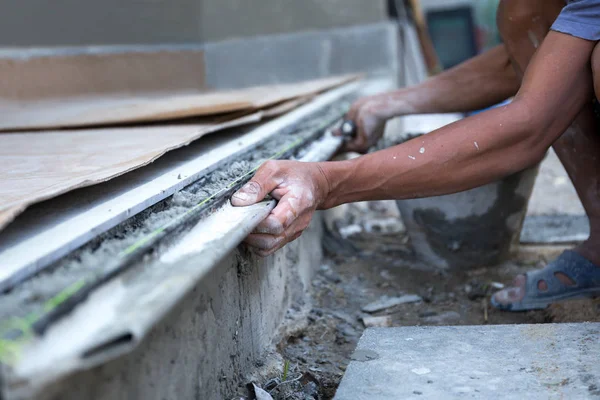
{"x":370,"y":115}
{"x":299,"y":187}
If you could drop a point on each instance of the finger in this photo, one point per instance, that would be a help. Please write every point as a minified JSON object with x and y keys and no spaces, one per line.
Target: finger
{"x":258,"y":187}
{"x":265,"y":253}
{"x":351,"y":114}
{"x":270,"y":225}
{"x":264,"y":242}
{"x":281,"y":218}
{"x":359,"y":143}
{"x":355,"y":108}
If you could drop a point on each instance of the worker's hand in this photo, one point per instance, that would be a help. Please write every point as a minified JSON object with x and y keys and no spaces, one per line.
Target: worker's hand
{"x":300,"y":189}
{"x":369,"y":114}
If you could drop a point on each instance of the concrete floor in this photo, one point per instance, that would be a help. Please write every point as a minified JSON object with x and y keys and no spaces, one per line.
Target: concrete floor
{"x":547,"y":361}
{"x":553,"y":192}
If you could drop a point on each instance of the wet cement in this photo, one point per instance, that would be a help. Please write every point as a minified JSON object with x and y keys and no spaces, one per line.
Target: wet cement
{"x":94,"y":258}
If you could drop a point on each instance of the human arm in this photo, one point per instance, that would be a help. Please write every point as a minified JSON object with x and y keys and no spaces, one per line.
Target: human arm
{"x":480,"y":82}
{"x":460,"y":156}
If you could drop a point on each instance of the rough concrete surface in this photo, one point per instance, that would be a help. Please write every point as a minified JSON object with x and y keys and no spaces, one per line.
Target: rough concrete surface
{"x":557,"y":228}
{"x":548,"y":361}
{"x":217,"y":335}
{"x":74,"y":22}
{"x":553,"y":192}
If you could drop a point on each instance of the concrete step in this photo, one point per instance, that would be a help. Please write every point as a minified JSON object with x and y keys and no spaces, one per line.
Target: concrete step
{"x":543,"y":361}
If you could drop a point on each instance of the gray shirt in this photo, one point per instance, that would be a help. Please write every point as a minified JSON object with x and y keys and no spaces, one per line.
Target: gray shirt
{"x":580,"y":18}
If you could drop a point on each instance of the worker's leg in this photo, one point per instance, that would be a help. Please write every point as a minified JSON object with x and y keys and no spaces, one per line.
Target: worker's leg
{"x":523,"y":25}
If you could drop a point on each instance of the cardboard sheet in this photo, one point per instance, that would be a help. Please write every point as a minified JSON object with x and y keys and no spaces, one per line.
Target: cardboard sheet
{"x":118,"y":108}
{"x":40,"y":165}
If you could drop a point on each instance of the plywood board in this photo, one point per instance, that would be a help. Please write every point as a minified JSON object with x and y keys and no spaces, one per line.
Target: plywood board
{"x":39,"y":165}
{"x":115,"y":108}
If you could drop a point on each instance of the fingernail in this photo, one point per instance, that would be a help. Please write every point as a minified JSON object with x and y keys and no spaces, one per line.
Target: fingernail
{"x":240,"y":195}
{"x":247,"y":193}
{"x":250,"y":187}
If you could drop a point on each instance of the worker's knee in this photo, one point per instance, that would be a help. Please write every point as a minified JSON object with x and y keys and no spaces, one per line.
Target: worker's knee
{"x":518,"y":19}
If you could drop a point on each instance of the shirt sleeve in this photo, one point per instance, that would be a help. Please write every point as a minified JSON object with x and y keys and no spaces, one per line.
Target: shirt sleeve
{"x":580,"y":18}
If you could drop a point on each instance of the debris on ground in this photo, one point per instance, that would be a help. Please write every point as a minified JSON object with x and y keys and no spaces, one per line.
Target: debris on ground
{"x":386,"y":302}
{"x":381,"y":322}
{"x":382,"y":284}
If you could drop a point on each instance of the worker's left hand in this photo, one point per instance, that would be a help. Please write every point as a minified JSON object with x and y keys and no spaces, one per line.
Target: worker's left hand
{"x":299,"y":187}
{"x":369,"y":115}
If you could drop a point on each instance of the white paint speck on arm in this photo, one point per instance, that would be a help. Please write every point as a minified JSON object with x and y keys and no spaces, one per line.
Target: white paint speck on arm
{"x":476,"y":145}
{"x":422,"y":150}
{"x":412,"y":158}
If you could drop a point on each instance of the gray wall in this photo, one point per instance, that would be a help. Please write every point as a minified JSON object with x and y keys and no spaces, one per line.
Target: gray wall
{"x":121,"y":22}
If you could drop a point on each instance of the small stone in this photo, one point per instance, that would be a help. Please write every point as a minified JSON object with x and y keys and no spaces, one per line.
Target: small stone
{"x":350,"y":230}
{"x":421,"y":370}
{"x":332,"y":276}
{"x":417,"y":392}
{"x":311,"y":389}
{"x":385,"y":274}
{"x":384,"y":225}
{"x":261,"y":394}
{"x":497,"y":285}
{"x":381,"y":322}
{"x":387,"y":302}
{"x":427,"y":313}
{"x":443,"y":318}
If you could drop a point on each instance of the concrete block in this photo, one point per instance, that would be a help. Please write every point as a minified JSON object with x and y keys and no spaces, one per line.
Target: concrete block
{"x":294,"y":57}
{"x":226,"y":19}
{"x":546,"y":361}
{"x":207,"y":344}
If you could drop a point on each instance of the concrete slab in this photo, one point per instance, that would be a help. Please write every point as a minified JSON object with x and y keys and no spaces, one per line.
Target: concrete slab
{"x":557,"y":228}
{"x":545,"y":361}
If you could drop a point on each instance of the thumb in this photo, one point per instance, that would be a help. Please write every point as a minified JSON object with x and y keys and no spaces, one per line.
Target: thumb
{"x":257,"y":189}
{"x":248,"y":194}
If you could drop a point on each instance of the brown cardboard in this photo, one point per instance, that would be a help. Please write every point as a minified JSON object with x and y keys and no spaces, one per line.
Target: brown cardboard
{"x":37,"y":166}
{"x":118,"y":108}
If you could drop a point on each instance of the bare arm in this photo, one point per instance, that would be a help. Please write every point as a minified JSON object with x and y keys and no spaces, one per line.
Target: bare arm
{"x":478,"y":83}
{"x":484,"y":147}
{"x":463,"y":155}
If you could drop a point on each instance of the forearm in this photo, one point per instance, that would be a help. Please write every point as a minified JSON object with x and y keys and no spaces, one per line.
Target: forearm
{"x":478,"y":83}
{"x":456,"y":157}
{"x":484,"y":147}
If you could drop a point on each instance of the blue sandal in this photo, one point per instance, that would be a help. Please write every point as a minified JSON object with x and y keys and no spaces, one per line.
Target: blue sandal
{"x":584,"y":274}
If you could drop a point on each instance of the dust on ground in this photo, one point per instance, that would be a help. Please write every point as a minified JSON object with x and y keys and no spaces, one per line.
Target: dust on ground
{"x":381,"y":263}
{"x":382,"y":268}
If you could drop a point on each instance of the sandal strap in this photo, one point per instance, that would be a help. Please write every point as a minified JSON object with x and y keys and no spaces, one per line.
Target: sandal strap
{"x":579,"y":269}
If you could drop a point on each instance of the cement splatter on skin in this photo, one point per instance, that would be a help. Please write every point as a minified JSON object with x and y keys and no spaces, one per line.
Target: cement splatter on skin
{"x":412,"y":158}
{"x":422,"y":150}
{"x":476,"y":145}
